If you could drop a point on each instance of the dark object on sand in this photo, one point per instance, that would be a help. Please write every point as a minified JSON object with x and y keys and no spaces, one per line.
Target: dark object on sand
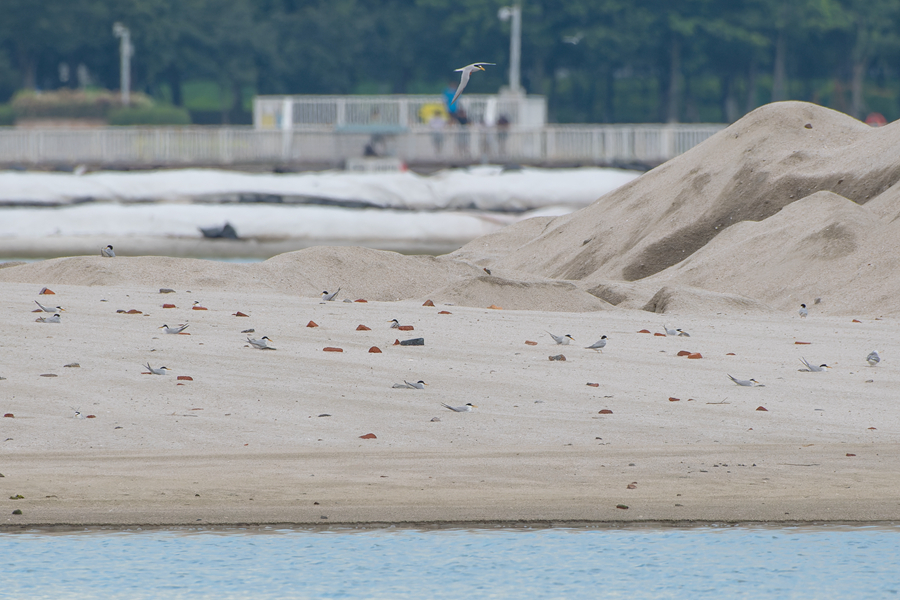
{"x":226,"y":231}
{"x":413,"y":342}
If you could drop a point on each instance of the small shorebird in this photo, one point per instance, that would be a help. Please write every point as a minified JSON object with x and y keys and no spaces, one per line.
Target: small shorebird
{"x":418,"y":385}
{"x":108,"y":252}
{"x":464,"y":78}
{"x":746,"y":382}
{"x":177,"y":329}
{"x":395,"y":324}
{"x":562,"y":340}
{"x":873,"y":358}
{"x":329,"y":297}
{"x":813,"y":368}
{"x":262,"y":343}
{"x":803,"y":312}
{"x":48,"y":308}
{"x":159,"y":371}
{"x":54,"y":319}
{"x":598,"y":345}
{"x":466,"y":408}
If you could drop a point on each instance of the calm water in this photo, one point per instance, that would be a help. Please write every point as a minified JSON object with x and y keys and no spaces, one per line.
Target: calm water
{"x":635,"y":562}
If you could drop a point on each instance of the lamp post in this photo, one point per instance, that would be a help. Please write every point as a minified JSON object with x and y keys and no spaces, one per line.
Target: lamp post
{"x":506,"y":13}
{"x":126,"y":50}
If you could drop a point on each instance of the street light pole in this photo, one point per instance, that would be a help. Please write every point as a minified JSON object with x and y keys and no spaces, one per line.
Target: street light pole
{"x":126,"y":50}
{"x":506,"y":13}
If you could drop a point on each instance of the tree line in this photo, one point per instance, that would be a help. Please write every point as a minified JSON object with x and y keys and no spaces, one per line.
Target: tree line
{"x":595,"y":60}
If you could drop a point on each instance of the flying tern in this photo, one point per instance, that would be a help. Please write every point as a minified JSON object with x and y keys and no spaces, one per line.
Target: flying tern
{"x":49,"y":309}
{"x":873,"y":358}
{"x":813,"y":368}
{"x":329,"y":297}
{"x":803,"y":312}
{"x":108,"y":252}
{"x":746,"y":382}
{"x":177,"y":329}
{"x":54,"y":319}
{"x":262,"y":343}
{"x":561,"y":339}
{"x":464,"y":78}
{"x":466,"y":408}
{"x":598,"y":345}
{"x":159,"y":371}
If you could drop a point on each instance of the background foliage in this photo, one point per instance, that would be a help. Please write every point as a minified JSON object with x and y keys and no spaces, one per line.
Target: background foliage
{"x":595,"y":60}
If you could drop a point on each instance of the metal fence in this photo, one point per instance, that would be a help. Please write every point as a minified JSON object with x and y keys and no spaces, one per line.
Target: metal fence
{"x":222,"y":146}
{"x":402,"y":111}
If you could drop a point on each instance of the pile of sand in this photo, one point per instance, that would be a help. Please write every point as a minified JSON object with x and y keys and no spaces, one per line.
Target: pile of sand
{"x":828,"y":246}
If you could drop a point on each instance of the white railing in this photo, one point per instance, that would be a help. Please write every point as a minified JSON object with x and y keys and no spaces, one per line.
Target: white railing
{"x":222,"y":146}
{"x":404,"y":111}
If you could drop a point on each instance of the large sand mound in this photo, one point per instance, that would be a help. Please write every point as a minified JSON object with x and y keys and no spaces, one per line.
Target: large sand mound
{"x":772,"y":158}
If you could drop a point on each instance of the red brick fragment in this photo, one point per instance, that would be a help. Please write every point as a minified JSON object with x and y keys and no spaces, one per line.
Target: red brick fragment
{"x":374,"y":350}
{"x":368,"y":436}
{"x":332,"y":349}
{"x":445,"y":312}
{"x":673,"y":399}
{"x":363,"y":328}
{"x":605,"y":411}
{"x":240,"y":314}
{"x":762,"y":408}
{"x":46,"y":292}
{"x":594,"y":384}
{"x":361,"y":300}
{"x":406,"y":328}
{"x":312,"y":324}
{"x":659,"y":334}
{"x":185,"y":378}
{"x":169,"y":306}
{"x":428,"y":303}
{"x":695,"y":355}
{"x":644,"y":331}
{"x":683,"y":353}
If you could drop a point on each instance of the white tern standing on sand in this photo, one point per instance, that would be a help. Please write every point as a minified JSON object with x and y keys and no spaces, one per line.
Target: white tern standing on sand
{"x":746,"y":382}
{"x":598,"y":345}
{"x":49,"y":309}
{"x":107,"y":252}
{"x":803,"y":312}
{"x":813,"y":368}
{"x":159,"y":371}
{"x":561,"y":339}
{"x":467,"y":408}
{"x":329,"y":297}
{"x":873,"y":358}
{"x":177,"y":329}
{"x":464,"y":78}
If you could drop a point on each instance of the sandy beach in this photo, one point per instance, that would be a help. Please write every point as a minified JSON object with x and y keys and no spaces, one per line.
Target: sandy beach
{"x":274,"y":436}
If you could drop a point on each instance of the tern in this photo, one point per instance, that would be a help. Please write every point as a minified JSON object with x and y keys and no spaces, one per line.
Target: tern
{"x":54,"y":319}
{"x":48,"y":308}
{"x":464,"y":78}
{"x":683,"y":333}
{"x":107,"y":252}
{"x":813,"y":368}
{"x":803,"y":312}
{"x":329,"y":297}
{"x":746,"y":382}
{"x":561,"y":339}
{"x":419,"y":385}
{"x":395,"y":324}
{"x":873,"y":358}
{"x":466,"y":408}
{"x":159,"y":371}
{"x":262,"y":343}
{"x":177,"y":329}
{"x":670,"y":331}
{"x":598,"y":345}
